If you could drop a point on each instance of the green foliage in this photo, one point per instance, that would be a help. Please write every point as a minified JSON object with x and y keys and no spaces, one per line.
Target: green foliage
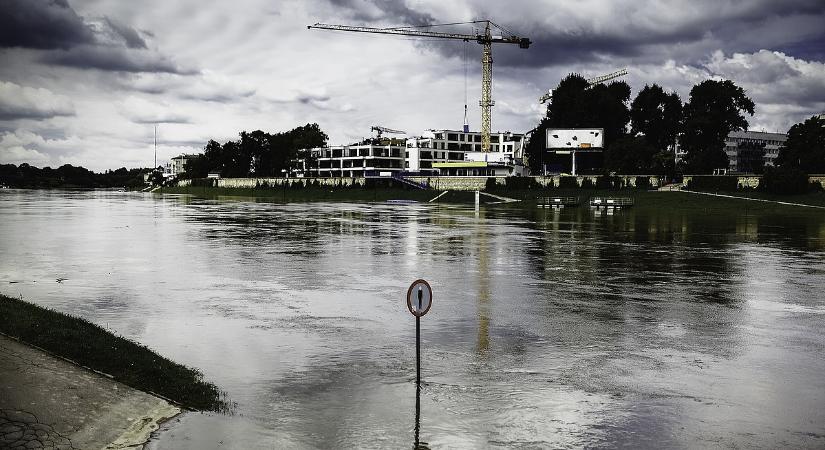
{"x":519,"y":183}
{"x":608,"y":182}
{"x":575,"y":106}
{"x":490,"y":184}
{"x":568,"y":183}
{"x":26,"y":176}
{"x":92,"y":346}
{"x":657,"y":116}
{"x":710,"y":183}
{"x":786,"y":180}
{"x":714,"y":110}
{"x":631,"y":155}
{"x":643,"y":183}
{"x":805,"y":147}
{"x":261,"y":153}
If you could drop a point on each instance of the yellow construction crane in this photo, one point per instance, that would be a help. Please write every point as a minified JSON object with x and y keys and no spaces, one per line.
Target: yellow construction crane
{"x":486,"y":40}
{"x":590,"y":82}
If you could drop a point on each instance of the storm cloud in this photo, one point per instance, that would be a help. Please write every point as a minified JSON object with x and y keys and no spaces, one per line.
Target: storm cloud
{"x":84,"y":82}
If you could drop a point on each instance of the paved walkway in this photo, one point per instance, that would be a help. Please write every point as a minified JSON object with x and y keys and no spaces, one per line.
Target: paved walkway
{"x":47,"y":402}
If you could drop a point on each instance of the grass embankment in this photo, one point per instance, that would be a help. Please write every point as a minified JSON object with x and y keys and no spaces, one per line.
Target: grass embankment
{"x":685,"y":201}
{"x":529,"y":196}
{"x":90,"y":345}
{"x":308,"y":194}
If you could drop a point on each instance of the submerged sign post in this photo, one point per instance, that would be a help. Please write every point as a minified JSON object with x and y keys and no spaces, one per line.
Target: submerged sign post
{"x":419,"y":301}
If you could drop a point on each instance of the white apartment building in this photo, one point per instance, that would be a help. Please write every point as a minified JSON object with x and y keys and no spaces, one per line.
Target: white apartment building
{"x":444,"y":152}
{"x":178,"y":163}
{"x":451,"y":146}
{"x":370,"y":158}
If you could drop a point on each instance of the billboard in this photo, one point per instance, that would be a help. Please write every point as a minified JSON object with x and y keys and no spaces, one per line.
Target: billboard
{"x":580,"y":139}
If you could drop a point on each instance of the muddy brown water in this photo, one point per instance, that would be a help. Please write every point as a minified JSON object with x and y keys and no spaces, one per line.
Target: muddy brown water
{"x":573,"y":328}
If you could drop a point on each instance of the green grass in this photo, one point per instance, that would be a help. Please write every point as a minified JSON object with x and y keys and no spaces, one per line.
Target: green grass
{"x":644,"y":199}
{"x":309,"y":194}
{"x":90,"y":345}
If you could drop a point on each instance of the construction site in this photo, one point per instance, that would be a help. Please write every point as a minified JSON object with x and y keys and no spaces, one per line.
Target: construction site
{"x":443,"y":152}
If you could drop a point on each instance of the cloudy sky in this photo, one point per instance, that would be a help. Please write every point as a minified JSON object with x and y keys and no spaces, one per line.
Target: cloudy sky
{"x":84,"y":81}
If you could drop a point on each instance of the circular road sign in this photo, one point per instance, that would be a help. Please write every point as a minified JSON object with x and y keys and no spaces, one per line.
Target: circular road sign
{"x":419,"y":298}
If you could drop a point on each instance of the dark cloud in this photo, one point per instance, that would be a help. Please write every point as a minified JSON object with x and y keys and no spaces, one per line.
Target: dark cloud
{"x":69,"y":40}
{"x":385,"y":11}
{"x":129,"y":35}
{"x":113,"y":59}
{"x":41,"y":24}
{"x":566,"y":33}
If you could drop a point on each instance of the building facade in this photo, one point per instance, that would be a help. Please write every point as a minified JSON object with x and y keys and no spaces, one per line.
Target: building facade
{"x":178,"y":164}
{"x":751,"y":151}
{"x":438,"y":152}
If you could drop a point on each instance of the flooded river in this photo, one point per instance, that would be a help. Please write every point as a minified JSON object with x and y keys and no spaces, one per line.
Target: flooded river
{"x":643,"y":328}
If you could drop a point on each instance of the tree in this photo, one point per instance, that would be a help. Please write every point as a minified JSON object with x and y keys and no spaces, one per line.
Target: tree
{"x":656,"y":115}
{"x":575,"y":104}
{"x":714,"y":110}
{"x":805,"y":147}
{"x":631,"y":155}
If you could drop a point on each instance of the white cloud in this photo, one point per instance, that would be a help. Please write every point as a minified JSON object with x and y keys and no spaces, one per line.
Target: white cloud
{"x":22,"y":102}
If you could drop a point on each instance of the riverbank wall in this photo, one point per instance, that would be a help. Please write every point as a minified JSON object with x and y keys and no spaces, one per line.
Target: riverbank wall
{"x":436,"y":183}
{"x":734,"y":182}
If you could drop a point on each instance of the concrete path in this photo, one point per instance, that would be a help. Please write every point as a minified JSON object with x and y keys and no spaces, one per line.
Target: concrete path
{"x":47,"y":402}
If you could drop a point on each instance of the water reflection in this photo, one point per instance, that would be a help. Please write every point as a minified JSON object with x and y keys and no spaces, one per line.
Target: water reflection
{"x":551,"y":328}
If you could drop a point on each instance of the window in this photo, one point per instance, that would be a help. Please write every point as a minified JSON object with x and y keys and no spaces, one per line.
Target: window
{"x":452,"y":137}
{"x":477,"y":138}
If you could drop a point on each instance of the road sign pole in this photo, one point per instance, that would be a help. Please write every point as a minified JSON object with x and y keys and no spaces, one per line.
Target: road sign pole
{"x":418,"y":341}
{"x":418,"y":302}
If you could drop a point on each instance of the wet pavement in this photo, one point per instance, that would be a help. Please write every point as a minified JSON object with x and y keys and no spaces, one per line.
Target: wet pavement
{"x":47,"y":402}
{"x":650,"y":327}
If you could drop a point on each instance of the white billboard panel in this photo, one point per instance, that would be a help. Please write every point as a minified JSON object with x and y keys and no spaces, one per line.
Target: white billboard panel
{"x":575,"y":138}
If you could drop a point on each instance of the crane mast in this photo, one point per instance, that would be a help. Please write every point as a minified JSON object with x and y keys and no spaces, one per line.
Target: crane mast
{"x":486,"y":40}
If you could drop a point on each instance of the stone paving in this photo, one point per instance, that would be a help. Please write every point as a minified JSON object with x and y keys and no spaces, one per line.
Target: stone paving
{"x":47,"y":402}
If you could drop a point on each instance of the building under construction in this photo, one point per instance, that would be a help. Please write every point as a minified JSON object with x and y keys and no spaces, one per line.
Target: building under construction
{"x":437,"y":152}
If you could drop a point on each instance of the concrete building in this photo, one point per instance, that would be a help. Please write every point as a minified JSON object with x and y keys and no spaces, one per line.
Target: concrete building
{"x":750,"y":151}
{"x":747,"y":151}
{"x":437,"y":152}
{"x":369,"y":158}
{"x":451,"y":146}
{"x":178,"y":163}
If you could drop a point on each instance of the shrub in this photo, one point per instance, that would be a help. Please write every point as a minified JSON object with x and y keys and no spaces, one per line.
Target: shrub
{"x":713,"y":183}
{"x":643,"y":183}
{"x":784,"y":180}
{"x":568,"y":183}
{"x":490,"y":184}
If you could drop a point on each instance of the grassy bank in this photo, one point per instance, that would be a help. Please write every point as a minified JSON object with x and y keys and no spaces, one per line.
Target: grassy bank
{"x":532,"y":196}
{"x":307,"y":194}
{"x":90,"y":345}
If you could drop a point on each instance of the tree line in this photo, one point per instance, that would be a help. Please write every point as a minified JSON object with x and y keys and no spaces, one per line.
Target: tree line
{"x":640,"y":135}
{"x":68,"y":176}
{"x":257,"y":153}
